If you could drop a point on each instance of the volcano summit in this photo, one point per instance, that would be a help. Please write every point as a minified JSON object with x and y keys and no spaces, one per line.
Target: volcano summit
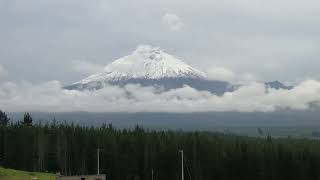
{"x":149,"y":66}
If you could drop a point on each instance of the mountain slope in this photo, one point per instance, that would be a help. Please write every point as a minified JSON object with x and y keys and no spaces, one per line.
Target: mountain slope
{"x":148,"y":63}
{"x":149,"y":66}
{"x":277,"y":85}
{"x":10,"y":174}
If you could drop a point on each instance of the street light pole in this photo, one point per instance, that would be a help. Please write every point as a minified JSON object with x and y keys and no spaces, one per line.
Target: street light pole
{"x":98,"y":160}
{"x":182,"y":167}
{"x":152,"y":173}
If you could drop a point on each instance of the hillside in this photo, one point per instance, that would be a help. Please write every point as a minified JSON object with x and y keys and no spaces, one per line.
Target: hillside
{"x":136,"y":152}
{"x":10,"y":174}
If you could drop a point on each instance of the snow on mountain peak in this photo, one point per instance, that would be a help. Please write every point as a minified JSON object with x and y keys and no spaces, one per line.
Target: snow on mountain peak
{"x":148,"y":51}
{"x":146,"y":62}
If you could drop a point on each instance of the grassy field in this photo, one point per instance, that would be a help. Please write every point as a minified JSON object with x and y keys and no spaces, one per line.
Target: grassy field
{"x":9,"y":174}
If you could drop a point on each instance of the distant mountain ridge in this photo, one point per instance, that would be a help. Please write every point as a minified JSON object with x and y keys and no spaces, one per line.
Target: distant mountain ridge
{"x":149,"y":66}
{"x":277,"y":85}
{"x":217,"y":87}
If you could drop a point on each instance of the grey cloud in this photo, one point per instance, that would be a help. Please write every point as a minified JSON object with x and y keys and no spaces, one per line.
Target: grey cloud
{"x":274,"y":40}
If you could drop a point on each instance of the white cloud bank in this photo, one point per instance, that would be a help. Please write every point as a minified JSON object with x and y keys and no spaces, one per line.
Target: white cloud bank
{"x":173,"y":21}
{"x":220,"y":73}
{"x":224,"y":74}
{"x":51,"y":97}
{"x":86,"y":67}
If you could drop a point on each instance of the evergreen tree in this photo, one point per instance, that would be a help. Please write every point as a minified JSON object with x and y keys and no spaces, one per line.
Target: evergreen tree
{"x":134,"y":153}
{"x":4,"y":120}
{"x":27,"y":119}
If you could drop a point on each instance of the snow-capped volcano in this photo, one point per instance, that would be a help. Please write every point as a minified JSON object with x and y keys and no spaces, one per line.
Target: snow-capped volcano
{"x":145,"y":62}
{"x":149,"y":66}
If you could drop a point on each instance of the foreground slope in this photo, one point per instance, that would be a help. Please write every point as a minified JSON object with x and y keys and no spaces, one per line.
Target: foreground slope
{"x":10,"y":174}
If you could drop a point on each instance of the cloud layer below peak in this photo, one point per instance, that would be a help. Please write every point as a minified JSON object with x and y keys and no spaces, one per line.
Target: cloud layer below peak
{"x":51,"y":97}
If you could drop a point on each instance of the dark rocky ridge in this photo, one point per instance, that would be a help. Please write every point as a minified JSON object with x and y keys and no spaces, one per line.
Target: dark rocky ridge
{"x":216,"y":87}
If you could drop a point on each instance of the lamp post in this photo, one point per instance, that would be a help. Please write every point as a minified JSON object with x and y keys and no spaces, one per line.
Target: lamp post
{"x":182,"y":167}
{"x":98,"y":160}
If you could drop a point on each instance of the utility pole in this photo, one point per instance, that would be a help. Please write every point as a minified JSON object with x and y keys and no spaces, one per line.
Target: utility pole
{"x":182,"y":167}
{"x":152,"y":174}
{"x":98,"y":160}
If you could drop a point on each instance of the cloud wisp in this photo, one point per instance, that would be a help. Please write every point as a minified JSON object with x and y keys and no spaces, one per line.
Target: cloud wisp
{"x":3,"y":72}
{"x":86,"y":67}
{"x":173,"y":21}
{"x":51,"y":97}
{"x":224,"y":74}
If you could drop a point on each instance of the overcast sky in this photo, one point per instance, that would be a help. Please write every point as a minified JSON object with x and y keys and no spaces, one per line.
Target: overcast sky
{"x":55,"y":39}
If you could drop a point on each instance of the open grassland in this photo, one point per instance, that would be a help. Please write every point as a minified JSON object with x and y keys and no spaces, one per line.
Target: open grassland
{"x":9,"y":174}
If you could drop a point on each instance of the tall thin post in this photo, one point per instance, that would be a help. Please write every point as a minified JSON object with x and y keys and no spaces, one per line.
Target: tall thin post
{"x":98,"y":160}
{"x":152,"y":174}
{"x":182,"y":167}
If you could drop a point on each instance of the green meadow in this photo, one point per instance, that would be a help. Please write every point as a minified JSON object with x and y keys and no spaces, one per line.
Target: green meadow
{"x":10,"y":174}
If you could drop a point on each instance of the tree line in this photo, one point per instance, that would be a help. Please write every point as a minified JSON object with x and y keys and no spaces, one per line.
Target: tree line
{"x":133,"y":153}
